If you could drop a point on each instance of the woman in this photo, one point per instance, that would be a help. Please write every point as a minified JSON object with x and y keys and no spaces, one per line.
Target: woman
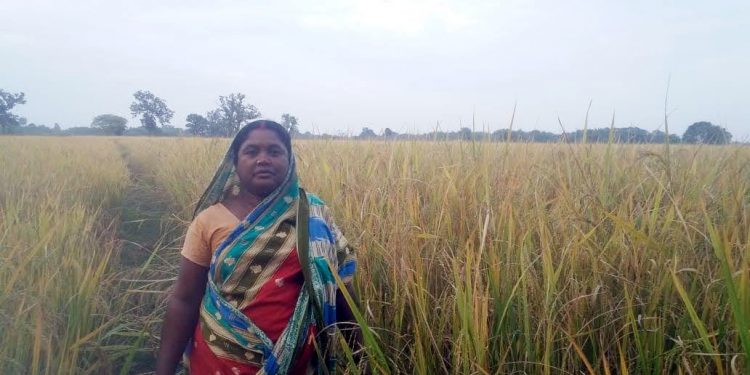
{"x":256,"y":292}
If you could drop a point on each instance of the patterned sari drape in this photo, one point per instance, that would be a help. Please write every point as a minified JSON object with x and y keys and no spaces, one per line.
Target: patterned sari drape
{"x":249,"y":257}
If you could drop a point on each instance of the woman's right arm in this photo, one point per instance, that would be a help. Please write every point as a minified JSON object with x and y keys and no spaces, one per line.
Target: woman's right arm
{"x":182,"y":315}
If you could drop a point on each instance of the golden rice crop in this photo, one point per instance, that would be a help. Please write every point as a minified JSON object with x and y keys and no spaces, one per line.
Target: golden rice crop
{"x":55,"y":249}
{"x":474,"y":258}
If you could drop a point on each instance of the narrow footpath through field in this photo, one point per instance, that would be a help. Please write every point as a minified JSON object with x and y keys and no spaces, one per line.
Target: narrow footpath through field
{"x":144,"y":214}
{"x":148,"y":237}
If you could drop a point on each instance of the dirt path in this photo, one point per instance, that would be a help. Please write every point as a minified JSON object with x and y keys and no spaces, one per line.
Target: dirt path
{"x":148,"y":251}
{"x":144,"y":215}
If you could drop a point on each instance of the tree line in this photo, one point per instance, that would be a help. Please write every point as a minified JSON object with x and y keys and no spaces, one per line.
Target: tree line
{"x":698,"y":133}
{"x":152,"y":112}
{"x":233,"y":111}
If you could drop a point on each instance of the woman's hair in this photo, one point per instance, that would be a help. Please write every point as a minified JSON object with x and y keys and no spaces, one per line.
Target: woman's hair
{"x":274,"y":126}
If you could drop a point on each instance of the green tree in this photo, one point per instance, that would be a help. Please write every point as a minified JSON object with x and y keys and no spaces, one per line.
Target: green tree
{"x":706,"y":133}
{"x":151,"y":109}
{"x":232,"y":113}
{"x":8,"y":120}
{"x":290,"y":123}
{"x":197,"y":124}
{"x":110,"y":124}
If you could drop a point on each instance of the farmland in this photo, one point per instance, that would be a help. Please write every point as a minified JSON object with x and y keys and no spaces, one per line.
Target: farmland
{"x":474,"y":257}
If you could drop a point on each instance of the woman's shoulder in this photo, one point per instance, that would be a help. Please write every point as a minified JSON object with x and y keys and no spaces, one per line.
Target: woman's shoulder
{"x":215,"y":215}
{"x":319,"y":208}
{"x":314,"y":199}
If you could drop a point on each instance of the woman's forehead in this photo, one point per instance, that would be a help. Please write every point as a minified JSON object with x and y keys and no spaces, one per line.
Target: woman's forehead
{"x":263,"y":137}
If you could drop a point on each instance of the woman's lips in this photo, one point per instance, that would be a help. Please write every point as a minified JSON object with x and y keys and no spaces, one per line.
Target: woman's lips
{"x":264,"y":173}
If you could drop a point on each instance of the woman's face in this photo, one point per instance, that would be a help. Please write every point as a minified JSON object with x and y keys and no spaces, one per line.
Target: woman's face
{"x":262,"y":162}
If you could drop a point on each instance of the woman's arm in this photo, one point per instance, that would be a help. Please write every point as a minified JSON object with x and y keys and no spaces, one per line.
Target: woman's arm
{"x":182,"y":315}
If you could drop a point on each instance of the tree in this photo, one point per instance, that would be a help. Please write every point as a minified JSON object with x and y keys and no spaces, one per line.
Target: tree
{"x":216,"y":126}
{"x":8,"y":121}
{"x":110,"y":124}
{"x":290,"y":123}
{"x":388,"y":133}
{"x":706,"y":133}
{"x":151,"y":108}
{"x":231,"y":115}
{"x":367,"y":133}
{"x":197,"y":124}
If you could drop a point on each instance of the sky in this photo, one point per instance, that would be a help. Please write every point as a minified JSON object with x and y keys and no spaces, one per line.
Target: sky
{"x":412,"y":66}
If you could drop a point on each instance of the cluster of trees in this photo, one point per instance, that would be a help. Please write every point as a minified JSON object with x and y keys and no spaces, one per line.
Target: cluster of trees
{"x":155,"y":118}
{"x":154,"y":115}
{"x":699,"y":132}
{"x":226,"y":120}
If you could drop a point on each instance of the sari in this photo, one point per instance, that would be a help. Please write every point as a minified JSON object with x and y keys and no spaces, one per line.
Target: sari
{"x":288,"y":222}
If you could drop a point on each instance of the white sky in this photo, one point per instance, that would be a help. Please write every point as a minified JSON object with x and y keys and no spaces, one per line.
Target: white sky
{"x":342,"y":65}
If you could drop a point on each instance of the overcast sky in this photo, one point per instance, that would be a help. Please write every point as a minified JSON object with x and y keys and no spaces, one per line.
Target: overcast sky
{"x":407,"y":65}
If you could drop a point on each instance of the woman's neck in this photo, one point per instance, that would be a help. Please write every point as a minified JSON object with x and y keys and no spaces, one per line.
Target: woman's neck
{"x":249,"y":198}
{"x":242,"y":204}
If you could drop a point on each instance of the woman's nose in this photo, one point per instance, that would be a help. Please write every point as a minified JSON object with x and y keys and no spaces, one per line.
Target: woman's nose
{"x":263,"y":159}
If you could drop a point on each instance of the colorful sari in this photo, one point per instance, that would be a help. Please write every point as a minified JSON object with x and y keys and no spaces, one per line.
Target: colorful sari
{"x":286,"y":223}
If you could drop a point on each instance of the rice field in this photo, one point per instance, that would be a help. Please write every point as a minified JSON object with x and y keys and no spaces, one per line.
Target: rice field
{"x":474,"y":257}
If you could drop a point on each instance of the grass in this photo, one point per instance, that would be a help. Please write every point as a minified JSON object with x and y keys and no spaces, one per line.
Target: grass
{"x":474,"y":258}
{"x":55,"y":251}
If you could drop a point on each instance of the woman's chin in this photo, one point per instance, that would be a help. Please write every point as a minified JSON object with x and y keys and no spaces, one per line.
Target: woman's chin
{"x":262,"y":190}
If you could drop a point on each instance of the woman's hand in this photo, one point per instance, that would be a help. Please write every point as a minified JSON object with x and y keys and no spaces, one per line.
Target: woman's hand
{"x":182,"y":315}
